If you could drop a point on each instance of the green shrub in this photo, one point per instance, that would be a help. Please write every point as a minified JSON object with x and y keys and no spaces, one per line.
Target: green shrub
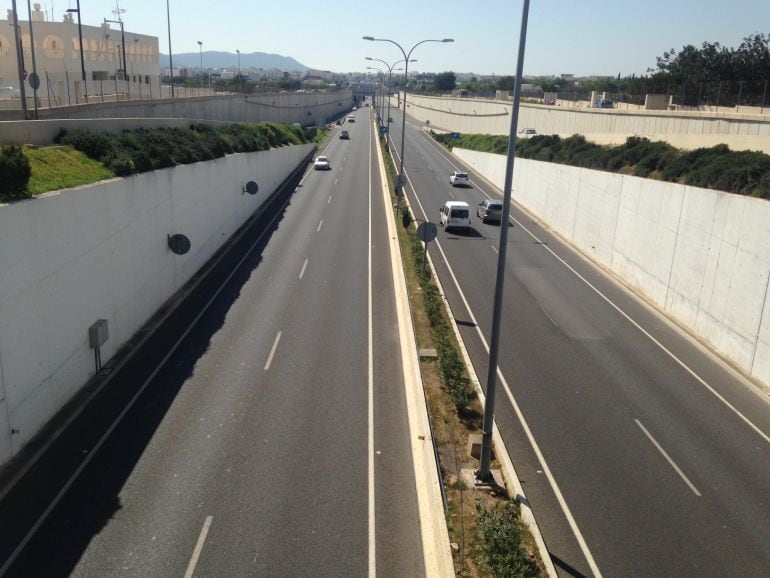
{"x":14,"y":171}
{"x":500,"y":534}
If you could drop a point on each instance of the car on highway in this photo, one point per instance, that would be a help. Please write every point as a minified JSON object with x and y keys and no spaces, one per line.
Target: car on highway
{"x":322,"y":163}
{"x":528,"y":131}
{"x":605,"y":103}
{"x":344,"y":135}
{"x":489,"y":210}
{"x":458,"y":178}
{"x":352,"y":118}
{"x":455,"y":215}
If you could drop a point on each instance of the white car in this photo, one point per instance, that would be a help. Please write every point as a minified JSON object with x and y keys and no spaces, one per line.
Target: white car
{"x":459,"y":178}
{"x":455,"y":215}
{"x":322,"y":164}
{"x":351,"y":118}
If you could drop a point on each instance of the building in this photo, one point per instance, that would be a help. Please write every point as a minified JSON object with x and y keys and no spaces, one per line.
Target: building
{"x":58,"y":63}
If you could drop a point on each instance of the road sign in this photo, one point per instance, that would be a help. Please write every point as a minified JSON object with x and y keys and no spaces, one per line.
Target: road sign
{"x":455,"y":135}
{"x":426,"y":232}
{"x":34,"y":81}
{"x":383,"y":130}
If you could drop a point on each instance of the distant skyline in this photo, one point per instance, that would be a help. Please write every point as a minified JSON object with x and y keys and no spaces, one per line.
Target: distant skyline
{"x":564,"y":36}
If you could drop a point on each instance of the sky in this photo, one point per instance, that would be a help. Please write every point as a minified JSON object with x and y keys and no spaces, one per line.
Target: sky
{"x":564,"y":36}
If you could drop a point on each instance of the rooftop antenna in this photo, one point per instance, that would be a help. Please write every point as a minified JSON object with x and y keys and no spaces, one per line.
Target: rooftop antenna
{"x":118,"y":11}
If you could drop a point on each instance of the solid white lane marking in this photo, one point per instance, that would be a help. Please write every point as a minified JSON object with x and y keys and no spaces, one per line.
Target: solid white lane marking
{"x":198,"y":547}
{"x":319,"y":225}
{"x":301,"y":273}
{"x":370,"y":409}
{"x":494,"y":249}
{"x":668,"y":459}
{"x":525,"y":426}
{"x":329,"y":200}
{"x":617,"y":308}
{"x":272,"y":351}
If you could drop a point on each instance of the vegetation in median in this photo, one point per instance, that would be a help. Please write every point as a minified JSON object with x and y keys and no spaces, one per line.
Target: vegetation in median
{"x":14,"y":172}
{"x":488,"y":537}
{"x":740,"y":172}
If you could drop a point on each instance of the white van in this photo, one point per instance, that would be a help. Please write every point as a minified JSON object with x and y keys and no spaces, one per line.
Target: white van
{"x":455,"y":214}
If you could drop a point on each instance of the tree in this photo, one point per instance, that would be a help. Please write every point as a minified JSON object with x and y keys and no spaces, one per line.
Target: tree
{"x":445,"y":81}
{"x":506,"y":83}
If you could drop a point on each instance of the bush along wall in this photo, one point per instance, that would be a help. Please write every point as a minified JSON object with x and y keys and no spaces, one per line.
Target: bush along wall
{"x":717,"y":167}
{"x":141,"y":150}
{"x":14,"y":172}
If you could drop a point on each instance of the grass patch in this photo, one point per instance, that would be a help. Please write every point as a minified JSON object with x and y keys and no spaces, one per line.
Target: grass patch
{"x":62,"y":167}
{"x":455,"y":412}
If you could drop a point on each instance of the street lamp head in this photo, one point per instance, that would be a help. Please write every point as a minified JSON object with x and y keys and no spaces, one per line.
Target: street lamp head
{"x":238,"y":51}
{"x":448,"y":40}
{"x":73,"y":10}
{"x":200,"y":43}
{"x":368,"y":38}
{"x":369,"y":58}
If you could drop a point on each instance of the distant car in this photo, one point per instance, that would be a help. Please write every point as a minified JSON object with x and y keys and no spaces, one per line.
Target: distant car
{"x":344,"y":135}
{"x":366,"y":104}
{"x":604,"y":103}
{"x":528,"y":131}
{"x":339,"y":122}
{"x":458,"y":178}
{"x":322,"y":164}
{"x":351,"y":118}
{"x":490,"y":211}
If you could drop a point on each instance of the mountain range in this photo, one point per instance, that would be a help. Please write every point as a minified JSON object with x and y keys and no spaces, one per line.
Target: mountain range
{"x":214,"y":59}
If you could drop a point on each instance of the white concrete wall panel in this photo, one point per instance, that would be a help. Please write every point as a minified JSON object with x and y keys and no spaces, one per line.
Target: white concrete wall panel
{"x":703,"y":256}
{"x":100,"y":251}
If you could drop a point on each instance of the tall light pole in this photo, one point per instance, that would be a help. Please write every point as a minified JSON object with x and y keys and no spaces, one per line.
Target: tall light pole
{"x":390,"y":75}
{"x":200,"y":74}
{"x":381,"y":76}
{"x":400,"y":183}
{"x":19,"y":60}
{"x":82,"y":60}
{"x":34,"y":62}
{"x":123,"y":44}
{"x":240,"y":86}
{"x":484,"y":475}
{"x":170,"y":61}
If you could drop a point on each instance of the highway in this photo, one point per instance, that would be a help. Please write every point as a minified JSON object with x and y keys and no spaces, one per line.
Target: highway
{"x":267,"y":434}
{"x":640,"y":453}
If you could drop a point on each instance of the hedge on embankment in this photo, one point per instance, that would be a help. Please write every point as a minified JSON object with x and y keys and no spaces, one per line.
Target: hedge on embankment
{"x":717,"y":167}
{"x":140,"y":150}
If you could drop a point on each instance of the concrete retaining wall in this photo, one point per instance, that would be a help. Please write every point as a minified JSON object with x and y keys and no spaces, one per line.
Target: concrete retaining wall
{"x":702,"y":256}
{"x":100,"y":251}
{"x":493,"y":117}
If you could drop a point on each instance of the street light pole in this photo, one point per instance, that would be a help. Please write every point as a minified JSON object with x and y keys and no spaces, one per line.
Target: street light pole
{"x":82,"y":59}
{"x":200,"y":74}
{"x":34,"y":62}
{"x":400,"y":184}
{"x":19,"y":60}
{"x":382,"y":74}
{"x":484,"y":475}
{"x":170,"y":61}
{"x":240,"y":85}
{"x":123,"y":44}
{"x":390,"y":76}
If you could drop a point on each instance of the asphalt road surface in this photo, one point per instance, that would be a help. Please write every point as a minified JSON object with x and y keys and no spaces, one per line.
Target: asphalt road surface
{"x":269,"y":433}
{"x":640,"y":453}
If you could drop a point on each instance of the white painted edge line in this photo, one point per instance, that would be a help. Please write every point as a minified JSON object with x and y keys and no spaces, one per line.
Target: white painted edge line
{"x":97,"y":446}
{"x":652,"y":308}
{"x":370,"y":385}
{"x":319,"y":226}
{"x":525,"y":426}
{"x":671,"y":462}
{"x":198,"y":547}
{"x":272,"y":351}
{"x":304,"y":265}
{"x":437,"y":554}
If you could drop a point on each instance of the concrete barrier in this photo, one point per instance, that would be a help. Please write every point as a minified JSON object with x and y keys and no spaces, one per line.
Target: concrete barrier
{"x":100,"y":252}
{"x":702,"y":256}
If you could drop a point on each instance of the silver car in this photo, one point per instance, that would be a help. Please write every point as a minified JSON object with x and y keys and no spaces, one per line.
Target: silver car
{"x":490,"y":211}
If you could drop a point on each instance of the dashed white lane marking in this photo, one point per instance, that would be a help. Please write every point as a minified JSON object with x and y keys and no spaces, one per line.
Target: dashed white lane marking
{"x":272,"y":351}
{"x":198,"y":547}
{"x":329,"y":200}
{"x":319,"y":225}
{"x":301,"y":273}
{"x":668,"y":459}
{"x":336,"y":181}
{"x":494,"y":249}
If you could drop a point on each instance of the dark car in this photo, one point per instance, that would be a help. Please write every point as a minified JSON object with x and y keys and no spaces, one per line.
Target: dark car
{"x":344,"y":135}
{"x":490,"y":211}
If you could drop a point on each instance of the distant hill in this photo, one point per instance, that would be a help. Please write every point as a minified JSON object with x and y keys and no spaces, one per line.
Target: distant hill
{"x":213,"y":59}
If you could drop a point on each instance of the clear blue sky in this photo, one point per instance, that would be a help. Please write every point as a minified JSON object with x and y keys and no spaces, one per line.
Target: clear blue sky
{"x":565,"y":36}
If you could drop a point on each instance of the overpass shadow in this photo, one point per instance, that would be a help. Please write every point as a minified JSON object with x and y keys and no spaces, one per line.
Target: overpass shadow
{"x":94,"y":498}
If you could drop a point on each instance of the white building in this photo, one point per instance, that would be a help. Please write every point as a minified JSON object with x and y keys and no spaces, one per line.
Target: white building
{"x":58,"y":64}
